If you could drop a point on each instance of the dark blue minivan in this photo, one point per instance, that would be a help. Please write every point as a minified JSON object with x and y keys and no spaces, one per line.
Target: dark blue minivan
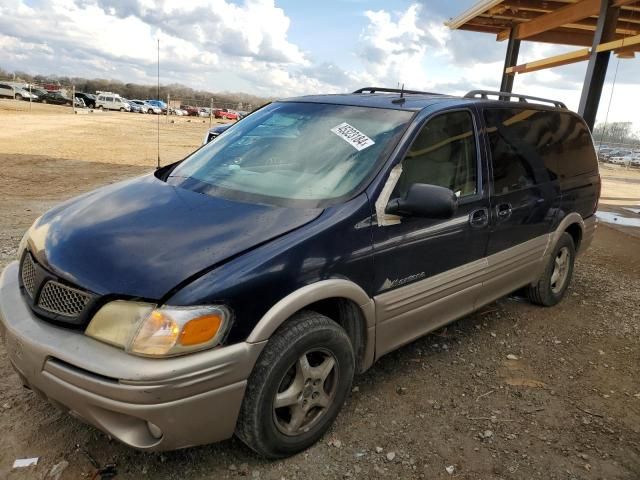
{"x":240,"y":290}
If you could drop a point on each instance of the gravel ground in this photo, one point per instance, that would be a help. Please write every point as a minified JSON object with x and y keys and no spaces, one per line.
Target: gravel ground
{"x":512,"y":392}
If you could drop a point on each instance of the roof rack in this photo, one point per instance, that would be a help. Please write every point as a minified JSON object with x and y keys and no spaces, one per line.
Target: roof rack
{"x":507,"y":95}
{"x":393,"y":90}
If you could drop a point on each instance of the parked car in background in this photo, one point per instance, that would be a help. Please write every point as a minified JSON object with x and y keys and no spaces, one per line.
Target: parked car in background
{"x":621,"y":160}
{"x":214,"y":132}
{"x":225,"y":113}
{"x":147,"y":107}
{"x":89,"y":99}
{"x":56,"y":98}
{"x":7,"y":91}
{"x":12,"y":91}
{"x":112,"y":101}
{"x":242,"y":114}
{"x":158,"y":103}
{"x":191,"y":110}
{"x":135,"y":108}
{"x":39,"y":93}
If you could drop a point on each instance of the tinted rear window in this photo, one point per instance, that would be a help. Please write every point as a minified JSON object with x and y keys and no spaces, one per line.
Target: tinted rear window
{"x":533,"y":146}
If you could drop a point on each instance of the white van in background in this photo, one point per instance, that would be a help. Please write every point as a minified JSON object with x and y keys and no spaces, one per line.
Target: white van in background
{"x":112,"y":101}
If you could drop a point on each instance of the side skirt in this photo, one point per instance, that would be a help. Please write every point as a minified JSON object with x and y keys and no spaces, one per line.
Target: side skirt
{"x":411,"y":311}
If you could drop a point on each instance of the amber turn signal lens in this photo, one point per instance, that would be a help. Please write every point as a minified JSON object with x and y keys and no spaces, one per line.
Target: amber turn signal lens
{"x":200,"y":330}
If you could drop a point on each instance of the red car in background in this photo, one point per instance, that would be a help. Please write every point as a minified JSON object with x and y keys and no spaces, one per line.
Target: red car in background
{"x":225,"y":114}
{"x":191,"y":111}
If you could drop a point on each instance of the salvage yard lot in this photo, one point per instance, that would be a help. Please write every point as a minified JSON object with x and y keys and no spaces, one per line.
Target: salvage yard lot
{"x":567,"y":408}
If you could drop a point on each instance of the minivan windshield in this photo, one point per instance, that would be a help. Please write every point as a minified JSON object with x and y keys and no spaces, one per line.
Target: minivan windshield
{"x":307,"y":153}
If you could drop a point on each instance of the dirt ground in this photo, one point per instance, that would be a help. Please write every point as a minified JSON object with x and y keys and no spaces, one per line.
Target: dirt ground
{"x":567,"y":408}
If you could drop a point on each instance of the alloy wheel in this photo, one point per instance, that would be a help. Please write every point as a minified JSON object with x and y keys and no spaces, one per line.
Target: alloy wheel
{"x":305,"y":392}
{"x":560,"y":270}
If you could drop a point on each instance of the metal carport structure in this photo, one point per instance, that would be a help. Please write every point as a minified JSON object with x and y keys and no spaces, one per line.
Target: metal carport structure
{"x":599,"y":26}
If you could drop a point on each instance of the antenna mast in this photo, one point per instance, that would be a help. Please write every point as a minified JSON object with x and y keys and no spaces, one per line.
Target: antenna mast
{"x":158,"y":97}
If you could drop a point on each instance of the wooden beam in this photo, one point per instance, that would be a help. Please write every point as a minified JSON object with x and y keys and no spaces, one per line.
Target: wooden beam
{"x":478,"y":28}
{"x":558,"y":18}
{"x":564,"y":36}
{"x":627,"y":44}
{"x":621,"y":43}
{"x":555,"y":61}
{"x":573,"y":14}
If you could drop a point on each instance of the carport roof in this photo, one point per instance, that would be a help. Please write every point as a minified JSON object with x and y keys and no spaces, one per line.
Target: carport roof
{"x":569,"y":22}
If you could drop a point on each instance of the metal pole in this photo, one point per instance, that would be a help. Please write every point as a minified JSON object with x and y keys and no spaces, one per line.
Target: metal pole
{"x":210,"y":111}
{"x":30,"y":95}
{"x":73,"y":97}
{"x":598,"y":63}
{"x":158,"y":97}
{"x":168,"y":105}
{"x":510,"y":60}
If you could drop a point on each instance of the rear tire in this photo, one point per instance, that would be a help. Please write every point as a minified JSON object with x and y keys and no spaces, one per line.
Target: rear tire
{"x":122,"y":109}
{"x":18,"y":96}
{"x":307,"y":368}
{"x":44,"y":101}
{"x":552,"y":285}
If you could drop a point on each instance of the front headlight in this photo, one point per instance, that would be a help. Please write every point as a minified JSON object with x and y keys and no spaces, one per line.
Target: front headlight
{"x":143,"y":329}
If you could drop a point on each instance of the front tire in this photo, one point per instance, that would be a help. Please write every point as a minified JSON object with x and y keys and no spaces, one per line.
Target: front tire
{"x":297,"y":387}
{"x":552,"y":285}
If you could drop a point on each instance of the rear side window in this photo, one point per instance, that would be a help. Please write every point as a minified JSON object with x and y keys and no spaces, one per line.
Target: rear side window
{"x":530,"y":147}
{"x":443,"y":154}
{"x":109,"y":99}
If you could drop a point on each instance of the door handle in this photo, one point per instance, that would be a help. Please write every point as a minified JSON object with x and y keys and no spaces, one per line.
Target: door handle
{"x":503,"y":211}
{"x":479,"y":218}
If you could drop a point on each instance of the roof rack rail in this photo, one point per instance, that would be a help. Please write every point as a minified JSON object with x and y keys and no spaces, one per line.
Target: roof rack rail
{"x":508,"y":95}
{"x":393,"y":90}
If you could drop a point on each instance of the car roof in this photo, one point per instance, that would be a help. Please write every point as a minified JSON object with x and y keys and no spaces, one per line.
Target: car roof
{"x":414,"y":102}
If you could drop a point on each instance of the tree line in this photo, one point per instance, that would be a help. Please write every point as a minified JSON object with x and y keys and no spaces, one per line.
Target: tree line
{"x":134,"y":90}
{"x":616,"y":132}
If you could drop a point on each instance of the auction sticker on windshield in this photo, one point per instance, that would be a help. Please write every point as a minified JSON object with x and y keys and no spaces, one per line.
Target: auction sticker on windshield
{"x":352,"y":136}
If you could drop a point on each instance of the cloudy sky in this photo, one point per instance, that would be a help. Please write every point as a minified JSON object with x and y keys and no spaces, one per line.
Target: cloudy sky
{"x":284,"y":47}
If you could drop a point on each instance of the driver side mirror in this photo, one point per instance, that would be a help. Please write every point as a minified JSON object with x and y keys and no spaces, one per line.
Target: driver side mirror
{"x":423,"y":200}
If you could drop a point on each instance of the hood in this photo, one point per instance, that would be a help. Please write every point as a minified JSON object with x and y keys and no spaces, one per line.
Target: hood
{"x":143,"y":237}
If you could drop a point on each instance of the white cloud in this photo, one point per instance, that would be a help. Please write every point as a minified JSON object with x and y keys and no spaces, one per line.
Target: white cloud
{"x":393,"y":46}
{"x":200,"y":39}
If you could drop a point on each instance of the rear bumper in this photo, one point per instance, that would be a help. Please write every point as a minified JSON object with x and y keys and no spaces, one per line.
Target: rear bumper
{"x":149,"y":404}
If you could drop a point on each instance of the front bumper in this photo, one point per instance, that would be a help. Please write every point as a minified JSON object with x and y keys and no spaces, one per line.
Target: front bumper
{"x":149,"y":404}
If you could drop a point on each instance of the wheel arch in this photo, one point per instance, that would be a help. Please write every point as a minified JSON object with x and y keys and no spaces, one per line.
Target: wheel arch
{"x":341,"y":300}
{"x":573,"y":224}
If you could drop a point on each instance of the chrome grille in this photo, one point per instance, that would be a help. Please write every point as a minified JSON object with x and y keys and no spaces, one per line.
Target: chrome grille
{"x":28,"y":275}
{"x":62,"y":300}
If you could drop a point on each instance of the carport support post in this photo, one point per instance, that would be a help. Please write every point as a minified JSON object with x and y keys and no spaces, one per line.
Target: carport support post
{"x":510,"y":60}
{"x":598,"y":63}
{"x":210,"y":112}
{"x":73,"y":97}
